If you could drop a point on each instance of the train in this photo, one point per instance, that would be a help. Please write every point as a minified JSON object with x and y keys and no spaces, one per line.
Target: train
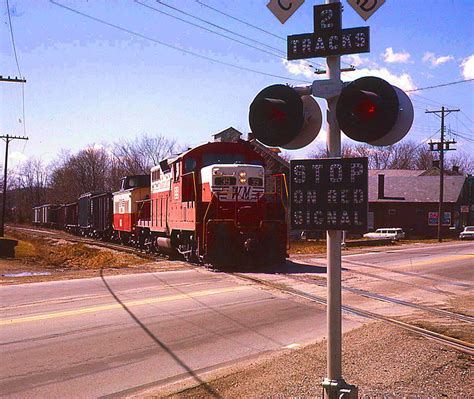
{"x":210,"y":204}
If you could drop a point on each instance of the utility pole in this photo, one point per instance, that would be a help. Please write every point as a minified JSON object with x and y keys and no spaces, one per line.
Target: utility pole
{"x":7,"y":139}
{"x":441,"y":148}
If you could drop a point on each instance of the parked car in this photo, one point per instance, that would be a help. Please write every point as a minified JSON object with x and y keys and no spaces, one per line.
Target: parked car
{"x":388,"y":232}
{"x":467,"y":233}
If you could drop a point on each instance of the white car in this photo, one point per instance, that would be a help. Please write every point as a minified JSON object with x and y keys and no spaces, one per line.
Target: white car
{"x":389,"y":233}
{"x":467,"y":233}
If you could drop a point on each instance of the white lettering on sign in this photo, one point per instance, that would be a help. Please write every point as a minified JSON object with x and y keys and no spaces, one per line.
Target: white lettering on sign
{"x":358,"y":196}
{"x":332,"y":196}
{"x":299,"y":174}
{"x":298,"y":197}
{"x":311,"y":197}
{"x":326,"y":16}
{"x":345,"y":196}
{"x":298,"y":217}
{"x":356,"y":170}
{"x":335,"y":173}
{"x":317,"y":173}
{"x":345,"y":218}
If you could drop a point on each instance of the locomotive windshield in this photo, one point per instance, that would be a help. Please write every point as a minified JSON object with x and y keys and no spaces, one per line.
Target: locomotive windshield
{"x":226,"y":158}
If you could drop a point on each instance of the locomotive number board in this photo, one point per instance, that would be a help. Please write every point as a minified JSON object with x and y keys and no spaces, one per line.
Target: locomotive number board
{"x":329,"y":194}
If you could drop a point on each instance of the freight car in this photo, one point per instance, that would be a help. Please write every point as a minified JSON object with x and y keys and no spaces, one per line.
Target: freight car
{"x":48,"y":215}
{"x":94,"y":215}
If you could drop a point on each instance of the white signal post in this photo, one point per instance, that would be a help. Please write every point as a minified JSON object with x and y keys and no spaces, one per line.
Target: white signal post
{"x":333,"y":250}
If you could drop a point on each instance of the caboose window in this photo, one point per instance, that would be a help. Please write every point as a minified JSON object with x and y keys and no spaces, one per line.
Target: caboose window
{"x":189,"y":165}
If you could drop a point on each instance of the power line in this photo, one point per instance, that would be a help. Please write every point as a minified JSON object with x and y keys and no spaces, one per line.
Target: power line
{"x":441,"y":85}
{"x":206,"y":29}
{"x":218,"y":26}
{"x":241,"y":21}
{"x":251,"y":25}
{"x":470,"y":120}
{"x":131,"y":32}
{"x":13,"y":38}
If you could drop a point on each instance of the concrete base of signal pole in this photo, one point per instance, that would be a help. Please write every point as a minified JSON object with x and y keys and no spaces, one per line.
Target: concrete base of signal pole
{"x":339,"y":389}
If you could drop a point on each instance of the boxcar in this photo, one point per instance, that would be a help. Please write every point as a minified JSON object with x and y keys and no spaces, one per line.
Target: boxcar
{"x":47,"y":215}
{"x":70,"y":217}
{"x":101,"y":209}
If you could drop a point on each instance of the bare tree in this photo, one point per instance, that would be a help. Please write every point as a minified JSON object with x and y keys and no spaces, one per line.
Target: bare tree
{"x":140,"y":155}
{"x":461,"y":159}
{"x":404,"y":155}
{"x":89,"y":170}
{"x":28,"y":187}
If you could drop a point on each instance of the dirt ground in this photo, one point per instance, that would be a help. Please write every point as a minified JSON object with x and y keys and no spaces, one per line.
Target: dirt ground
{"x":383,"y":361}
{"x":39,"y":258}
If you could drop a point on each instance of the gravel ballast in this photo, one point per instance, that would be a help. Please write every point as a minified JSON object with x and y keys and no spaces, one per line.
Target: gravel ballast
{"x":383,"y":361}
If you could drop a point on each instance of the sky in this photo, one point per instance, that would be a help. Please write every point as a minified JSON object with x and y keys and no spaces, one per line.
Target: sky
{"x":102,"y":71}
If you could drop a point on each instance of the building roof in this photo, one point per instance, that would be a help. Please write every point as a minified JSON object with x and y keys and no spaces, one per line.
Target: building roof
{"x":415,"y":188}
{"x":395,"y":172}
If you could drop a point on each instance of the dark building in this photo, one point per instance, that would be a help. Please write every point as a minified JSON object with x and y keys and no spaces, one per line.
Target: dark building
{"x":409,"y":199}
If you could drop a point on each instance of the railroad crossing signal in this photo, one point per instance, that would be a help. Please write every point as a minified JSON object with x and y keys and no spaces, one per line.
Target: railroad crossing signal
{"x":280,"y":117}
{"x":371,"y":110}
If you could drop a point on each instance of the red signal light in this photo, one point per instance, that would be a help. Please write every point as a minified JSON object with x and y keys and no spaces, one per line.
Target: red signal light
{"x":277,"y":115}
{"x":365,"y":109}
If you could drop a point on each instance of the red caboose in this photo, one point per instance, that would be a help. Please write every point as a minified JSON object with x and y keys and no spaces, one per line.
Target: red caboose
{"x":209,"y":204}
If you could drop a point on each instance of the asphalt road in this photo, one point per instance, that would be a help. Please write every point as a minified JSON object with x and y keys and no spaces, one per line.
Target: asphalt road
{"x":121,"y":334}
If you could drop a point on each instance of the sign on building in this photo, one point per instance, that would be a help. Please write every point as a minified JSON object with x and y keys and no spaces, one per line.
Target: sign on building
{"x":329,"y":194}
{"x":433,"y":219}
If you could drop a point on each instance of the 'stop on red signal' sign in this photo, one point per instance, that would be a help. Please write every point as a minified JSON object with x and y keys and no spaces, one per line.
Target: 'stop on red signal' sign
{"x":329,"y":194}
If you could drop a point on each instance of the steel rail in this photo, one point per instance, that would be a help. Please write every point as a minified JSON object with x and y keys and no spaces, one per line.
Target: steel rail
{"x":465,"y":347}
{"x":383,"y":298}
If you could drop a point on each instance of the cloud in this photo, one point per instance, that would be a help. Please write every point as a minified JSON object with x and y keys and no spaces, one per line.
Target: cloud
{"x":403,"y":81}
{"x":390,"y":57}
{"x":436,"y":61}
{"x":300,"y":67}
{"x":467,"y":66}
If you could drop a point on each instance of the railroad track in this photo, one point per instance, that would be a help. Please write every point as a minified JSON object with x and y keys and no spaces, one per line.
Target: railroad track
{"x":462,"y":346}
{"x":383,"y":298}
{"x":465,"y":347}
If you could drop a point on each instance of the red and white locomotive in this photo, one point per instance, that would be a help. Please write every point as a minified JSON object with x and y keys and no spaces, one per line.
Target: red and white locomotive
{"x":209,"y":204}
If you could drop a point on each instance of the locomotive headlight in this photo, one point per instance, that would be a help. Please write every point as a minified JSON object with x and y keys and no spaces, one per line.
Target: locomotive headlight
{"x":243,"y":176}
{"x":217,"y":172}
